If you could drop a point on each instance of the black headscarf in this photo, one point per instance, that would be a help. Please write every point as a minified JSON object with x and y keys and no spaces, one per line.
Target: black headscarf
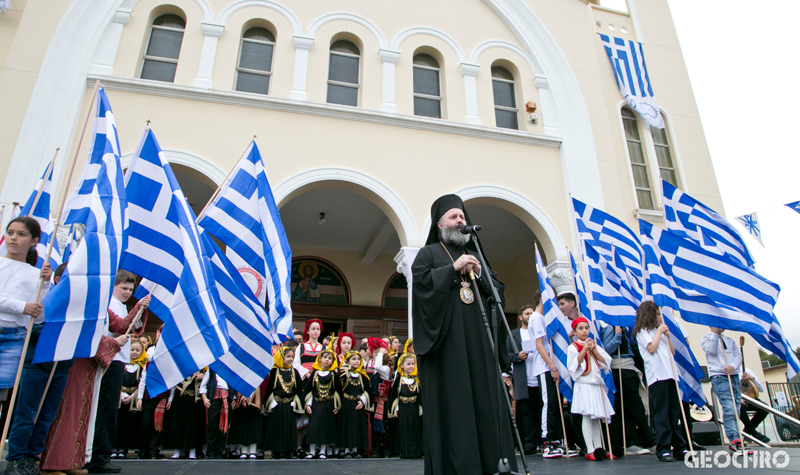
{"x":438,"y":209}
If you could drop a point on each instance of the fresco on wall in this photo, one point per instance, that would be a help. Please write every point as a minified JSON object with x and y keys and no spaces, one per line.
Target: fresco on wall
{"x":316,"y":281}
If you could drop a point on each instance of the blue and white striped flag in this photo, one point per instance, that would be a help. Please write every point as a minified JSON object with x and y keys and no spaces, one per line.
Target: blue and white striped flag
{"x":245,"y":217}
{"x":630,"y":70}
{"x":689,"y":371}
{"x":194,"y":333}
{"x":707,"y":288}
{"x":72,"y":243}
{"x":42,"y":216}
{"x":776,"y":342}
{"x":693,"y":220}
{"x":585,"y":311}
{"x":248,"y":359}
{"x":556,"y":325}
{"x":605,"y":232}
{"x":76,"y":310}
{"x":612,"y":300}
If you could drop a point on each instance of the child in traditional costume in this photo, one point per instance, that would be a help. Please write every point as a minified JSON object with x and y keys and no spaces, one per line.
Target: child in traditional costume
{"x":188,"y":432}
{"x":405,"y":409}
{"x":354,"y":389}
{"x":311,"y":348}
{"x":322,"y":404}
{"x":344,"y":343}
{"x":379,"y":371}
{"x":129,"y":419}
{"x":214,"y":391}
{"x":585,"y":361}
{"x":152,"y":410}
{"x":246,"y":424}
{"x":284,"y":388}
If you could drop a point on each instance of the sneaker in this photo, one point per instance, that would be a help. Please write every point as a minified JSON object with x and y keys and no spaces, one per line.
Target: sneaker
{"x":571,"y":453}
{"x":636,"y":450}
{"x":322,"y":457}
{"x":106,"y":468}
{"x":698,"y":447}
{"x":552,"y":450}
{"x":666,"y":457}
{"x":736,"y":446}
{"x":16,"y":467}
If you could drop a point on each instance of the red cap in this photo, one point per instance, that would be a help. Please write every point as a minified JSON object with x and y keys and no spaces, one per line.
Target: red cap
{"x":308,"y":324}
{"x":579,"y":320}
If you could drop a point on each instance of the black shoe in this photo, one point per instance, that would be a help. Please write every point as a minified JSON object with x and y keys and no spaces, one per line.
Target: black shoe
{"x":666,"y":458}
{"x":260,"y":455}
{"x":16,"y":467}
{"x":530,"y":450}
{"x":761,"y":437}
{"x":697,"y":446}
{"x":106,"y":468}
{"x":349,"y":456}
{"x":358,"y":456}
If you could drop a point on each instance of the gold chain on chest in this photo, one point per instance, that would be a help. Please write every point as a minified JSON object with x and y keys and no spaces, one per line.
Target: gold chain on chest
{"x":288,"y":387}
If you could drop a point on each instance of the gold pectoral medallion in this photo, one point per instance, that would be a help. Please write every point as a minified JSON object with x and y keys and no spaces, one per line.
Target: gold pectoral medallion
{"x":466,"y":293}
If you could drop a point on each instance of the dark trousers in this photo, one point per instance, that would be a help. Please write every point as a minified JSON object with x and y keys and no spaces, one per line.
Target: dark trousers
{"x":687,"y":410}
{"x":215,"y":438}
{"x":151,"y":438}
{"x":554,"y":431}
{"x":750,"y":424}
{"x":105,"y":425}
{"x":665,"y":410}
{"x":529,"y":418}
{"x":637,"y":427}
{"x":26,"y":438}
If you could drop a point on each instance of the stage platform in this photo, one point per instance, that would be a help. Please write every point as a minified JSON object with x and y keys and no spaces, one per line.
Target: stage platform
{"x":638,"y":465}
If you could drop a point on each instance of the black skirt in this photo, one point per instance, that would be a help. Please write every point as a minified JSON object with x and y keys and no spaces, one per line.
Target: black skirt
{"x":407,"y":440}
{"x":246,"y":426}
{"x":322,"y":423}
{"x":281,"y":429}
{"x":129,"y":429}
{"x":188,"y":422}
{"x":352,"y":431}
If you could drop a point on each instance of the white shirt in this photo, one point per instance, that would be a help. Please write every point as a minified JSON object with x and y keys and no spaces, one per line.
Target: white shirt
{"x":712,"y":345}
{"x":532,"y":378}
{"x":536,"y":330}
{"x":658,"y":366}
{"x":18,"y":284}
{"x":121,"y":311}
{"x":383,"y":371}
{"x":221,"y":384}
{"x":578,"y":367}
{"x":755,"y":380}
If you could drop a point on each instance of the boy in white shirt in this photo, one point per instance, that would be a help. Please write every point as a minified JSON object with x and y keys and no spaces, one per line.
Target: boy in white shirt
{"x":725,"y":360}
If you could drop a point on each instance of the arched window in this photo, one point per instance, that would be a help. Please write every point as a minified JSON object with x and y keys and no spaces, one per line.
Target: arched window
{"x":505,"y":98}
{"x":664,"y":155}
{"x":343,"y":73}
{"x":427,"y":88}
{"x":163,"y":48}
{"x":641,"y":175}
{"x":255,"y":61}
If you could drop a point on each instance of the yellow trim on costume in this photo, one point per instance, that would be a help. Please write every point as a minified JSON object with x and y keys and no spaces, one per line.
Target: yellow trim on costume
{"x":278,"y":357}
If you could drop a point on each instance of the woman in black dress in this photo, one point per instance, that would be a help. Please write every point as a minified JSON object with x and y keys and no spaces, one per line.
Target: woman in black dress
{"x":246,"y":424}
{"x":188,"y":428}
{"x":129,"y":420}
{"x":353,"y":387}
{"x":404,"y":408}
{"x":322,"y":404}
{"x":284,"y":388}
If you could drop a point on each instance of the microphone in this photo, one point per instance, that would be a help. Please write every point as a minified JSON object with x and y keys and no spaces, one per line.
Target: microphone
{"x":470,"y":229}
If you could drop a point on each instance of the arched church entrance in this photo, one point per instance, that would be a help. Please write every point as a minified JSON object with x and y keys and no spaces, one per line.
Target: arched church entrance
{"x":343,"y":244}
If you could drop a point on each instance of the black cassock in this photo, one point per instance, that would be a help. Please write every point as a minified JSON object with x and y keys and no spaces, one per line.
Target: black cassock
{"x":466,"y":429}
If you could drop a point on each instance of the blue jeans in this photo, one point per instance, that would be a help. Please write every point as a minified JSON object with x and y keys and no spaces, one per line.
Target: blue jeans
{"x":12,"y":339}
{"x":723,"y":391}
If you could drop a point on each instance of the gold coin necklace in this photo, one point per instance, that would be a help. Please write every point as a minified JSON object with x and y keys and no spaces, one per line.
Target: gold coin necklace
{"x":466,"y":294}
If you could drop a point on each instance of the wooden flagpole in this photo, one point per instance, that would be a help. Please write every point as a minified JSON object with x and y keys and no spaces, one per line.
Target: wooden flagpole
{"x":46,"y":260}
{"x":730,"y":385}
{"x":560,"y":412}
{"x":219,"y":187}
{"x":622,"y":403}
{"x":41,"y":186}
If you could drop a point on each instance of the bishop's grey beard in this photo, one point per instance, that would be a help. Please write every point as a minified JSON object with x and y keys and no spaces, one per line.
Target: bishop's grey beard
{"x":453,"y":236}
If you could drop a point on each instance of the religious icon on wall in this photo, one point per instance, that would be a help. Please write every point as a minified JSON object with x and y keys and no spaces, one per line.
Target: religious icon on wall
{"x":317,"y":281}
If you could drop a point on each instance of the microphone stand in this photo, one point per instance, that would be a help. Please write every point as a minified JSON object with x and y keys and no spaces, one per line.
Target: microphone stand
{"x":491,"y":333}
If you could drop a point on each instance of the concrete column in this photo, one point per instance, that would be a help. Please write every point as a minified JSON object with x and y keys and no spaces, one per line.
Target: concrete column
{"x":212,"y":32}
{"x":106,"y":53}
{"x":389,"y":59}
{"x":548,"y":111}
{"x":469,"y":71}
{"x":302,"y":45}
{"x":404,"y":259}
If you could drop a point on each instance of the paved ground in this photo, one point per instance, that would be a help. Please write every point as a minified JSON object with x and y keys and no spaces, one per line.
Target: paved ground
{"x":637,"y":465}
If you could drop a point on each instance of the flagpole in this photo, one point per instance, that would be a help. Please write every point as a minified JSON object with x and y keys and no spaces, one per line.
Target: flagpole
{"x":730,"y":385}
{"x":680,"y":402}
{"x":46,"y":261}
{"x":219,"y":187}
{"x":622,"y":403}
{"x":41,"y":185}
{"x":594,"y":330}
{"x":560,"y":412}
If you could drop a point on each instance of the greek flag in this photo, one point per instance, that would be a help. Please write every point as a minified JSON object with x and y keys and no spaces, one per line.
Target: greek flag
{"x":613,"y":301}
{"x":557,"y":332}
{"x":630,"y":70}
{"x":72,"y":243}
{"x":707,"y":288}
{"x":245,"y":217}
{"x":76,"y":309}
{"x":248,"y":359}
{"x":605,"y":232}
{"x":583,"y":307}
{"x":42,"y":216}
{"x":689,"y":371}
{"x":794,"y":206}
{"x":776,"y":342}
{"x":194,"y":333}
{"x":693,"y":220}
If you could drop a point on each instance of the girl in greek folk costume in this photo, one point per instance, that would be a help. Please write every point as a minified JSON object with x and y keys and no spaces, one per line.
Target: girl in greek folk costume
{"x":129,"y":420}
{"x":409,"y":348}
{"x":311,"y":348}
{"x":214,"y":391}
{"x":284,"y":388}
{"x":352,"y":384}
{"x":246,"y":423}
{"x":322,"y":403}
{"x":188,"y":431}
{"x":379,"y":371}
{"x":585,"y":361}
{"x":405,"y":407}
{"x":344,"y":343}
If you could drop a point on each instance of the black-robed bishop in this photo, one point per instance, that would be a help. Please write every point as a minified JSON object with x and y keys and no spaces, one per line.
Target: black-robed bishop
{"x":467,"y":428}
